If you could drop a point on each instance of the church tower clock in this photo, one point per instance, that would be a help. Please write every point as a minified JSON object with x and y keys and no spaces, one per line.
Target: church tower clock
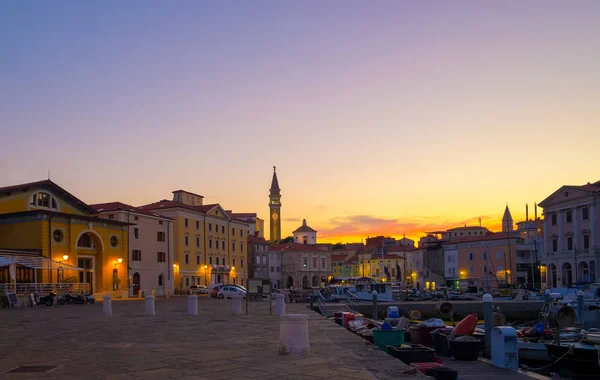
{"x":275,"y":208}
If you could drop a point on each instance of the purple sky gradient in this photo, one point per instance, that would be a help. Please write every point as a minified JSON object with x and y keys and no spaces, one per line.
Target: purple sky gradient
{"x":385,"y":109}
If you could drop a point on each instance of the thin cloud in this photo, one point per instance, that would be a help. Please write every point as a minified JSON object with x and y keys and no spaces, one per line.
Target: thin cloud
{"x":361,"y":226}
{"x":292,"y":220}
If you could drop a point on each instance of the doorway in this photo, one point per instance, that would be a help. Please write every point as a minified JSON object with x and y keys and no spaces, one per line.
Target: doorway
{"x":136,"y":284}
{"x":87,"y":275}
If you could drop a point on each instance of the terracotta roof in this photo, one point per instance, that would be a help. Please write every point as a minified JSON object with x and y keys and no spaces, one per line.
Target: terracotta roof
{"x":256,"y":239}
{"x":488,"y":237}
{"x":166,"y":204}
{"x":338,"y":258}
{"x":188,"y":192}
{"x":48,"y":183}
{"x":401,"y":249}
{"x":465,"y":228}
{"x":242,"y":214}
{"x":304,"y":227}
{"x":591,"y":187}
{"x":118,"y":206}
{"x":302,"y":248}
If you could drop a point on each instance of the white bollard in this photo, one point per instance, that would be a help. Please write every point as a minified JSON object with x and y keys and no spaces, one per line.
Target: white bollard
{"x":193,"y":305}
{"x":236,"y":304}
{"x":107,"y":307}
{"x":293,"y":335}
{"x":150,"y":310}
{"x":279,"y":304}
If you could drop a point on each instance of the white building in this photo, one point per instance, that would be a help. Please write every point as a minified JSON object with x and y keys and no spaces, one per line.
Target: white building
{"x":571,"y":235}
{"x":305,"y":235}
{"x":451,"y":265}
{"x":150,"y":247}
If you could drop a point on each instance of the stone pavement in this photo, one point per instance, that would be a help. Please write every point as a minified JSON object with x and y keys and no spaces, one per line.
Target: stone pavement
{"x":214,"y":345}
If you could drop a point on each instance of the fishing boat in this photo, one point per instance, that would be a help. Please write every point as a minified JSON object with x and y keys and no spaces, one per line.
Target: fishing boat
{"x":341,"y":292}
{"x":364,"y":291}
{"x":579,"y":357}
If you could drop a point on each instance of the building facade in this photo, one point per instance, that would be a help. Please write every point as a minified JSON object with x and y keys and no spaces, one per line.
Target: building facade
{"x":275,"y":208}
{"x":258,"y":257}
{"x":150,"y":247}
{"x":209,"y":246}
{"x":43,"y":217}
{"x":304,"y":266}
{"x":305,"y":235}
{"x":571,"y":235}
{"x":256,"y":225}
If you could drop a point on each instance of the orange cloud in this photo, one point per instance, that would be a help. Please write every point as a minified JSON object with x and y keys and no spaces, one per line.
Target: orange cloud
{"x":356,"y":227}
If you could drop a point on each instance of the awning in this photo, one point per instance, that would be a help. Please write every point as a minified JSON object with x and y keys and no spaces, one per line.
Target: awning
{"x":35,"y":262}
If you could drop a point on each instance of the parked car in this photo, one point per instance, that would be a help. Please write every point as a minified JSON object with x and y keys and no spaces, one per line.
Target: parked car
{"x":229,"y":291}
{"x":237,"y":286}
{"x":198,"y":289}
{"x":214,"y":292}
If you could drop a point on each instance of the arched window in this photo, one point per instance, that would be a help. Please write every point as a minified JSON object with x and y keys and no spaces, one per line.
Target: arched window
{"x":86,"y":241}
{"x":44,"y":200}
{"x":160,"y":279}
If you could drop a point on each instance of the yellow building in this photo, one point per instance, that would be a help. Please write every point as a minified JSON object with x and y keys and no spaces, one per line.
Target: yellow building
{"x":208,"y":244}
{"x":43,"y":217}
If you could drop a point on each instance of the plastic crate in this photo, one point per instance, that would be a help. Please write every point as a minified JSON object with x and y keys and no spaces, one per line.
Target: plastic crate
{"x":415,"y":354}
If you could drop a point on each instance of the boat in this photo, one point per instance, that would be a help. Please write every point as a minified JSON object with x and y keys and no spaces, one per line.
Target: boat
{"x":579,"y":357}
{"x":364,"y":291}
{"x":341,"y":292}
{"x":532,"y":351}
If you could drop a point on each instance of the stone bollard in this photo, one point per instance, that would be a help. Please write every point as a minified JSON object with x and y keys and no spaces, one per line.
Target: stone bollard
{"x":236,"y":304}
{"x":375,"y":314}
{"x":279,"y":304}
{"x":150,"y":310}
{"x":193,"y":305}
{"x":293,"y":335}
{"x":488,"y":320}
{"x":580,"y":308}
{"x":107,"y":307}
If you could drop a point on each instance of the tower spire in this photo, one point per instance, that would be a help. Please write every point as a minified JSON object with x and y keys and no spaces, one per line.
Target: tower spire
{"x":275,"y":207}
{"x":275,"y":190}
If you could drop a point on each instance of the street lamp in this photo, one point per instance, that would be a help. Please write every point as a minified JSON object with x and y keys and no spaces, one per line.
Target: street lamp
{"x":205,"y":278}
{"x":65,"y":257}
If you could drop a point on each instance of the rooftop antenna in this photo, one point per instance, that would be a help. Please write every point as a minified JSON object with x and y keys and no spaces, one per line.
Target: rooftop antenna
{"x":479,"y":222}
{"x":48,"y":173}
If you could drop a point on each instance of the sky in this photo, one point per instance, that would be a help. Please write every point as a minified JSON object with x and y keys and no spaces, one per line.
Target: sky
{"x":382,"y":117}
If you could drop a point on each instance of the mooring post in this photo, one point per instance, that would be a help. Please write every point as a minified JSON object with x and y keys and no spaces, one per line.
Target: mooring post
{"x":580,"y":308}
{"x":375,"y":314}
{"x":488,"y":318}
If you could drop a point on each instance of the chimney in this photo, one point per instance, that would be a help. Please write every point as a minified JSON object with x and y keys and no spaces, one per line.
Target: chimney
{"x":535,"y":210}
{"x":526,"y":212}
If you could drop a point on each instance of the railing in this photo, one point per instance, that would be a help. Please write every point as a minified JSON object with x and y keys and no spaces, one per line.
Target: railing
{"x":45,"y":288}
{"x":352,"y":302}
{"x":322,"y":304}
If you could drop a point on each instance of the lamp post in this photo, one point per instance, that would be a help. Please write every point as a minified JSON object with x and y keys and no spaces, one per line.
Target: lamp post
{"x":205,"y":278}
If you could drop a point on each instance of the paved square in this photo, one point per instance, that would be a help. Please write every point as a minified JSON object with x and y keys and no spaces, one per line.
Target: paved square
{"x":83,"y":344}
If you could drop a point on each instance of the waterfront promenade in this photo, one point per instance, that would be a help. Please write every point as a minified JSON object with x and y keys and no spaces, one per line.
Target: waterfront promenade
{"x":78,"y":342}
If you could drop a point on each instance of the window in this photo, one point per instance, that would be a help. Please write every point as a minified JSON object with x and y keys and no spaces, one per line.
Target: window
{"x":485,"y":255}
{"x":586,"y":241}
{"x":136,"y":218}
{"x":323,"y":263}
{"x":197,"y":259}
{"x":187,"y":258}
{"x":485,"y":269}
{"x":233,"y":261}
{"x":210,"y":226}
{"x":186,"y":240}
{"x":554,"y":245}
{"x":58,"y":236}
{"x":209,"y":243}
{"x":111,"y":216}
{"x":264,"y":260}
{"x":136,"y":255}
{"x":187,"y":281}
{"x":210,"y":260}
{"x":241,"y":233}
{"x":569,"y":243}
{"x":222,"y":229}
{"x":223,"y":244}
{"x":160,"y":280}
{"x":197,"y":242}
{"x":277,"y":269}
{"x":233,"y":246}
{"x":160,"y":222}
{"x":162,"y":257}
{"x":585,"y":213}
{"x":272,"y":269}
{"x":449,"y":259}
{"x":233,"y":231}
{"x":553,"y":219}
{"x":114,"y":241}
{"x":257,"y":260}
{"x":160,"y":236}
{"x":44,"y":200}
{"x":500,"y":255}
{"x":314,"y":262}
{"x":86,"y":241}
{"x":136,"y":233}
{"x":470,"y":270}
{"x":197,"y":224}
{"x":217,"y":260}
{"x":185,"y":222}
{"x":471,"y":256}
{"x":569,"y":216}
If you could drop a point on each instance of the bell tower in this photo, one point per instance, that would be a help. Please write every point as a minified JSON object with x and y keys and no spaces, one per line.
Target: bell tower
{"x":275,"y":208}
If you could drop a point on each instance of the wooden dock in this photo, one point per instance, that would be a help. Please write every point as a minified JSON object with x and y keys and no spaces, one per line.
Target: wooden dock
{"x":484,"y":369}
